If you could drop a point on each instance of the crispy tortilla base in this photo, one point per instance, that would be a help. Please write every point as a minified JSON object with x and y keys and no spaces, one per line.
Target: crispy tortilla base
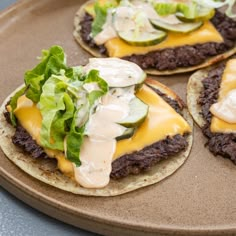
{"x":45,"y":171}
{"x":212,"y":60}
{"x":194,"y":89}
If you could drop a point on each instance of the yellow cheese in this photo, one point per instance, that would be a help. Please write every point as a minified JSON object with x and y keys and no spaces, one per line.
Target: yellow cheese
{"x":162,"y":121}
{"x":228,"y":83}
{"x":30,"y":118}
{"x":207,"y":33}
{"x":63,"y":164}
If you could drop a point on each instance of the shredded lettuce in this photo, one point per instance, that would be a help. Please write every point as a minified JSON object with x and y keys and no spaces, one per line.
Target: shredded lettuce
{"x":100,"y":19}
{"x":64,"y":100}
{"x":101,"y":15}
{"x":85,"y":106}
{"x":74,"y":141}
{"x":65,"y":106}
{"x":93,"y":77}
{"x":52,"y":62}
{"x":57,"y":108}
{"x":190,"y":9}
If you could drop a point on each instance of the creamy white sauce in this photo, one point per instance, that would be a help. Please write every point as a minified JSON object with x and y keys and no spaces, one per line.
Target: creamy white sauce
{"x":116,"y":72}
{"x":108,"y":31}
{"x":93,"y":86}
{"x":99,"y":145}
{"x":134,"y":18}
{"x":103,"y":123}
{"x":96,"y":158}
{"x":226,"y":108}
{"x":83,"y":104}
{"x":123,"y":18}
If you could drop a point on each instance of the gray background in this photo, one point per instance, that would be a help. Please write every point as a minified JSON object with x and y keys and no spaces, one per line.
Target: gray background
{"x":19,"y":219}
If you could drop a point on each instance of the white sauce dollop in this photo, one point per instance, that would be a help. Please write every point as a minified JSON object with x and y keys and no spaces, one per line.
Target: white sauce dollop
{"x":100,"y":144}
{"x":116,"y":72}
{"x":108,"y":31}
{"x":103,"y":127}
{"x":226,"y":108}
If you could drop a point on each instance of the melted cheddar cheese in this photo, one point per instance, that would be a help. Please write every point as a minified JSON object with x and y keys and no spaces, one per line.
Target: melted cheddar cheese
{"x":207,"y":33}
{"x":30,"y":118}
{"x":162,"y":121}
{"x":228,"y":83}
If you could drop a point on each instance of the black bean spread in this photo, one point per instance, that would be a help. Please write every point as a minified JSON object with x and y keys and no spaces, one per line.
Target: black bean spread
{"x":223,"y":144}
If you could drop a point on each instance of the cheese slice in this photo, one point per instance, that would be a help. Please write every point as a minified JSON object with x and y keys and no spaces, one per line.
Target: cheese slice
{"x":205,"y":34}
{"x":162,"y":121}
{"x":228,"y":83}
{"x":30,"y":118}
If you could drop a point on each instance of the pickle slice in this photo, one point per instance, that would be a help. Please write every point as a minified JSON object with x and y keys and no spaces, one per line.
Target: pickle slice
{"x":142,"y":38}
{"x":181,"y":27}
{"x":185,"y":11}
{"x":203,"y":14}
{"x":128,"y":133}
{"x":133,"y":26}
{"x":137,"y":114}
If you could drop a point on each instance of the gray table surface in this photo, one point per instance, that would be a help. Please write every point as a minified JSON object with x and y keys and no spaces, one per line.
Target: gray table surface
{"x":19,"y":219}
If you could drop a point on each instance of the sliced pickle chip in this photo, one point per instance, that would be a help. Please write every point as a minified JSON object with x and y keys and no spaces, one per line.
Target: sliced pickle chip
{"x":164,"y":9}
{"x":142,"y":38}
{"x":181,"y":27}
{"x":128,"y":133}
{"x":133,"y":26}
{"x":204,"y":14}
{"x":185,"y":11}
{"x":137,"y":114}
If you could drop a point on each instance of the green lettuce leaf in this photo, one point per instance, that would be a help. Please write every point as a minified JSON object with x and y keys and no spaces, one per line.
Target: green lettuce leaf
{"x":85,"y":106}
{"x":93,"y":77}
{"x":74,"y":141}
{"x":64,"y":102}
{"x":189,"y":10}
{"x":100,"y":16}
{"x":52,"y":61}
{"x":65,"y":105}
{"x":100,"y":19}
{"x":74,"y":73}
{"x":57,"y":109}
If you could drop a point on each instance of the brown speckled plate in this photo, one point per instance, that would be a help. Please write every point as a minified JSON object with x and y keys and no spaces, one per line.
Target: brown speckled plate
{"x":199,"y":199}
